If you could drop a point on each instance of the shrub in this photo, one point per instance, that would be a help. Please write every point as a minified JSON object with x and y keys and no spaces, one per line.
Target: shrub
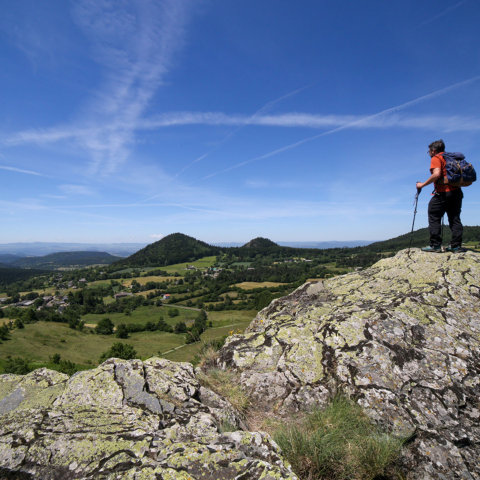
{"x":119,"y":350}
{"x":338,"y":442}
{"x":17,"y":366}
{"x":65,"y":366}
{"x":56,"y":358}
{"x":173,"y":312}
{"x":104,"y":327}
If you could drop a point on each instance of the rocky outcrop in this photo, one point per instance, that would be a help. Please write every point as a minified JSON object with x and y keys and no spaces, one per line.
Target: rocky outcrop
{"x":126,"y":420}
{"x":403,"y":337}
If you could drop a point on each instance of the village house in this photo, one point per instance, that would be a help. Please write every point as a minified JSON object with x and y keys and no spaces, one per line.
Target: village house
{"x":166,"y":296}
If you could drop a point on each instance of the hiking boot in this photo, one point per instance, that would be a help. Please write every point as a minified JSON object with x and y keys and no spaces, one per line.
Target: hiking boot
{"x":432,"y":249}
{"x":454,"y":249}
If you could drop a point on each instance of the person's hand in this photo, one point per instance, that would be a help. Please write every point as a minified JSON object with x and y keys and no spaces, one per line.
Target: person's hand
{"x":419,"y":185}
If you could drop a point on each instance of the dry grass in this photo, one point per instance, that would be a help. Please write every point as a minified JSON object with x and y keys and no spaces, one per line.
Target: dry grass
{"x":227,"y":384}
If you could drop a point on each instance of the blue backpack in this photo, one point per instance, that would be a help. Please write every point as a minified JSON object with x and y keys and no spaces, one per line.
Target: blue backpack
{"x":459,"y":172}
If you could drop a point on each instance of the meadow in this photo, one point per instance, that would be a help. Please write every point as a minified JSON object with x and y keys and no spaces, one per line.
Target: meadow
{"x":41,"y":340}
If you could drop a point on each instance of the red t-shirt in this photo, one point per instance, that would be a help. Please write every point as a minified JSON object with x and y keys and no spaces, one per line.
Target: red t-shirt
{"x":439,"y":162}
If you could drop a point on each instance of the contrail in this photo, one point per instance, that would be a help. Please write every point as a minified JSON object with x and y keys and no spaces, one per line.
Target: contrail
{"x":235,"y":130}
{"x":441,"y":14}
{"x":19,"y":170}
{"x":256,"y":114}
{"x":348,"y":125}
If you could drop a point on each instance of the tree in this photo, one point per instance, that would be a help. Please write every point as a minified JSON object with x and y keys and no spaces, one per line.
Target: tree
{"x":122,"y":331}
{"x":173,"y":312}
{"x":1,"y":313}
{"x":4,"y":332}
{"x":180,"y":327}
{"x":119,"y":350}
{"x":104,"y":327}
{"x":19,"y":324}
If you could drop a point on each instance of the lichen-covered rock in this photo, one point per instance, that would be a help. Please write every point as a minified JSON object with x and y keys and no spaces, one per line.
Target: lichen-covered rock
{"x":125,"y":420}
{"x":402,"y":336}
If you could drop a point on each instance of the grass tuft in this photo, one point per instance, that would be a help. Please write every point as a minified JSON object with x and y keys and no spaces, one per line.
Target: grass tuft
{"x":208,"y":353}
{"x":339,"y":442}
{"x":226,"y":383}
{"x":226,"y":426}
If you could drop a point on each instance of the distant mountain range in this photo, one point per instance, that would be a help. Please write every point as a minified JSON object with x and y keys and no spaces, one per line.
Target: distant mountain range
{"x":45,"y":248}
{"x":9,"y":252}
{"x":330,"y":244}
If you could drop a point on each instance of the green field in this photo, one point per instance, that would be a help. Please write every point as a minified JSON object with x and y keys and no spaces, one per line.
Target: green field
{"x":180,"y":268}
{"x":143,"y":315}
{"x":203,"y":263}
{"x":41,"y":340}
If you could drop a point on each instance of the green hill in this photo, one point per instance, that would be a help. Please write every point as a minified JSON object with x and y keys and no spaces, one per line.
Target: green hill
{"x":9,"y":258}
{"x":172,"y":249}
{"x":260,"y":242}
{"x":65,"y":259}
{"x":421,"y":238}
{"x":9,"y":275}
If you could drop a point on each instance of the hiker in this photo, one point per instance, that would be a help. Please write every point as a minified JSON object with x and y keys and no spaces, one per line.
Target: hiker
{"x":446,"y":199}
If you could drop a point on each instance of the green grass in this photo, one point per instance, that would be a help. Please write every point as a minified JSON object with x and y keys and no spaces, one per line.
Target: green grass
{"x":339,"y":442}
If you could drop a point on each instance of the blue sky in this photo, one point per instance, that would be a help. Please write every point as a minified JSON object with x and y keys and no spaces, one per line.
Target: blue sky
{"x":127,"y":120}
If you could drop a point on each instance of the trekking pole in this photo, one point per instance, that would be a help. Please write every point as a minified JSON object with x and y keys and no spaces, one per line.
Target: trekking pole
{"x":415,"y":202}
{"x":443,"y":224}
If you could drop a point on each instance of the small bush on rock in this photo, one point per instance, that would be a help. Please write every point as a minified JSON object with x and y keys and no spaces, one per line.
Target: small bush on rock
{"x":339,"y":442}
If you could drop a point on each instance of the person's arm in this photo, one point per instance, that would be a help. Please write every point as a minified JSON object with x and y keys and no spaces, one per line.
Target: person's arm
{"x":437,"y":173}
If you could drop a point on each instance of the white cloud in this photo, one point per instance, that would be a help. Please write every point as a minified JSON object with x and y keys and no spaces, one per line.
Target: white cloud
{"x":77,"y":190}
{"x":157,"y":236}
{"x":46,"y":195}
{"x":19,"y":170}
{"x":134,"y":43}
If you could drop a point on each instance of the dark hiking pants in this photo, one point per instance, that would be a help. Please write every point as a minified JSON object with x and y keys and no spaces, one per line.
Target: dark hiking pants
{"x":451,"y":204}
